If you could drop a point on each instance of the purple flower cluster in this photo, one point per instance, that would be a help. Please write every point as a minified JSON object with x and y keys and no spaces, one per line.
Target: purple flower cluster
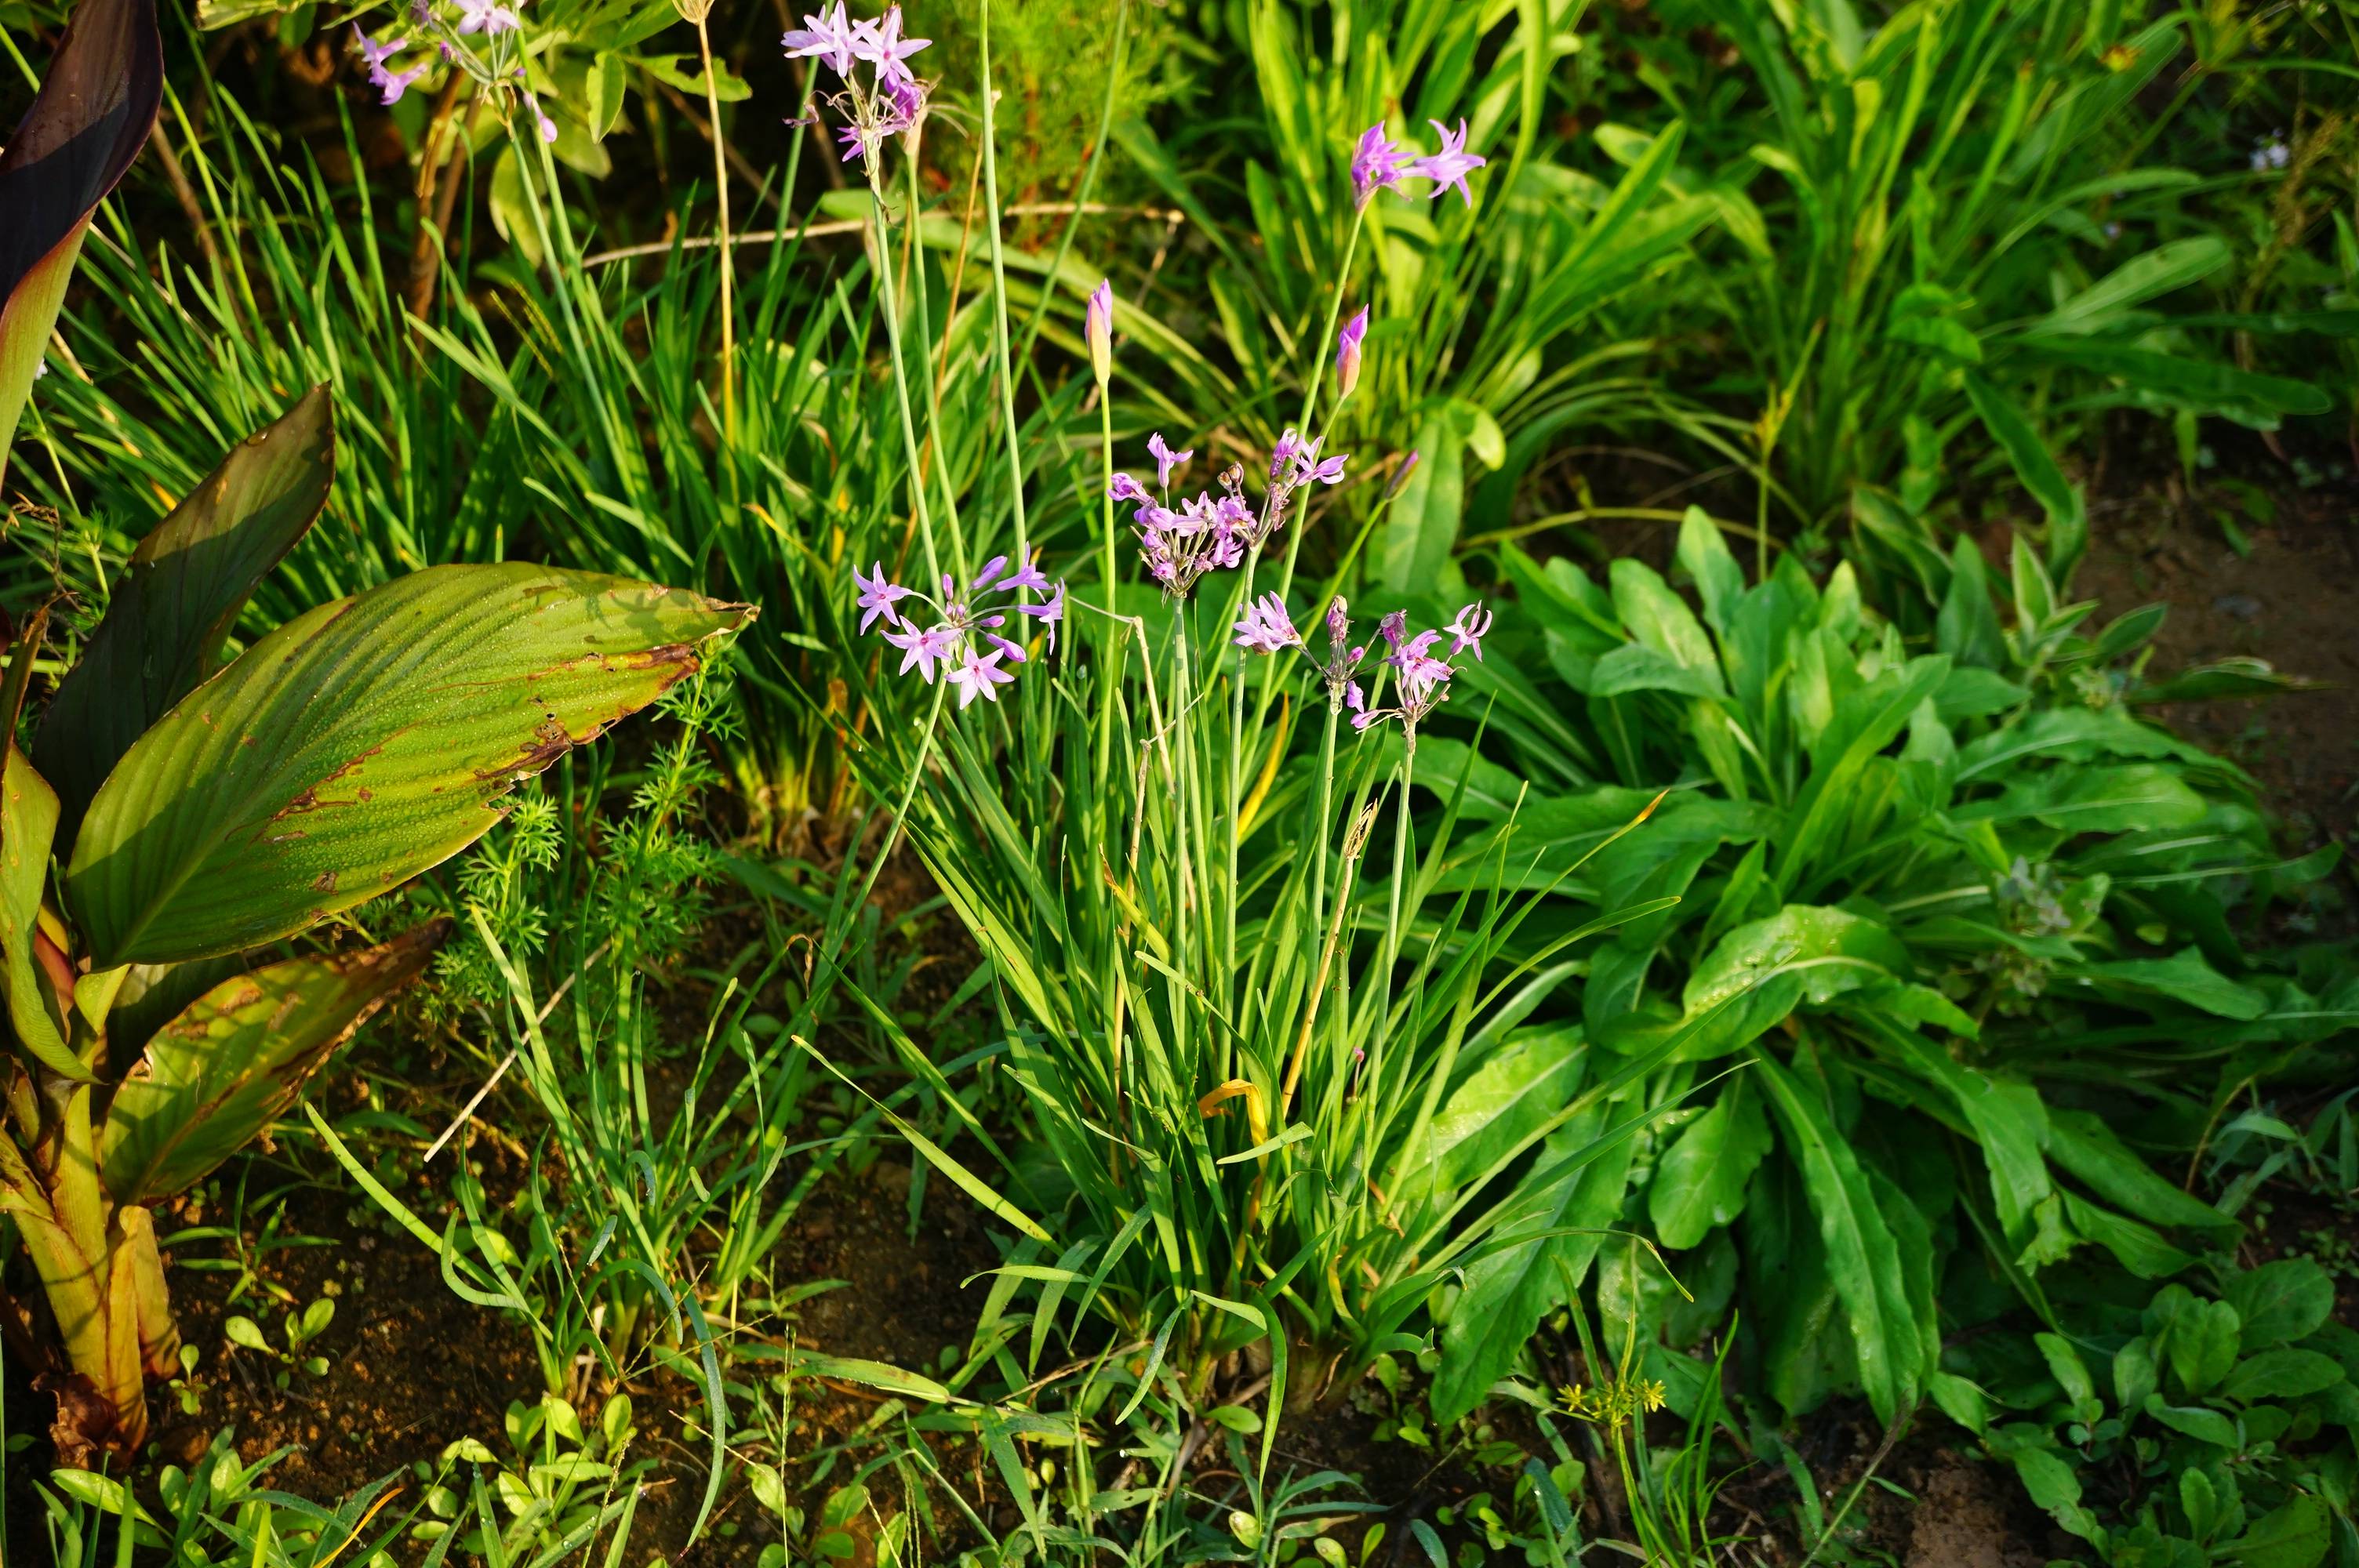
{"x":457,"y":22}
{"x":892,"y":101}
{"x":964,"y":639}
{"x":1379,"y":163}
{"x":1212,"y":533}
{"x":1420,"y":676}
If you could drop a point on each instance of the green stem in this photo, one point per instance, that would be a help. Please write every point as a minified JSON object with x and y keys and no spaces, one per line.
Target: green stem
{"x":901,"y":389}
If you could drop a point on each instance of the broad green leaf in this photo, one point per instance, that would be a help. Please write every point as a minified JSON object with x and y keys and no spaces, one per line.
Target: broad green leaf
{"x":173,"y":605}
{"x":2138,"y":1247}
{"x":1968,"y":629}
{"x":1803,"y":953}
{"x":1702,"y":1179}
{"x":2055,"y":1486}
{"x":1510,"y":1095}
{"x":2197,"y":1422}
{"x":2204,"y":386}
{"x":1863,"y":722}
{"x":2280,"y":1302}
{"x":2123,"y":799}
{"x":1706,"y":556}
{"x":604,"y":85}
{"x":2034,"y":465}
{"x":2295,"y":1535}
{"x":2281,"y":1375}
{"x":2168,"y":266}
{"x":2087,"y":1150}
{"x":29,"y":822}
{"x":216,"y":1075}
{"x":2238,"y":677}
{"x":1863,"y":1256}
{"x":1509,"y":1290}
{"x":1423,"y":525}
{"x":96,"y":105}
{"x":2184,"y":977}
{"x":360,"y":743}
{"x":1661,"y":620}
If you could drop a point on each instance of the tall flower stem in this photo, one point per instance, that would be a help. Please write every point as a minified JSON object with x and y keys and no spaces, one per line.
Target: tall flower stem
{"x":728,"y":264}
{"x":883,"y":262}
{"x":999,"y":291}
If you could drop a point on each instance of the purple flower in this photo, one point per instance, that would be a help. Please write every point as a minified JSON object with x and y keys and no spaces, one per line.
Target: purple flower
{"x":1265,"y":627}
{"x":1347,"y":352}
{"x":1024,"y":577}
{"x":1450,"y":166}
{"x":977,"y":675}
{"x":1166,"y":459}
{"x":1126,"y":488}
{"x":827,"y":38}
{"x":1097,"y":329}
{"x":880,"y":43}
{"x":990,"y":572}
{"x":877,"y":594}
{"x":486,"y":16}
{"x":1339,"y":625}
{"x":855,"y":142}
{"x":1467,"y":631}
{"x":1400,"y":474}
{"x":922,"y":647}
{"x":1050,"y":612}
{"x":1362,"y":714}
{"x":1376,"y":165}
{"x":1393,"y":627}
{"x":390,"y":84}
{"x":1282,"y":454}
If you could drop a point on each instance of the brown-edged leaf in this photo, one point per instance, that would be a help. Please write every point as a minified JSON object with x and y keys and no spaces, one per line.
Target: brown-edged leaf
{"x":360,"y":743}
{"x":217,"y":1075}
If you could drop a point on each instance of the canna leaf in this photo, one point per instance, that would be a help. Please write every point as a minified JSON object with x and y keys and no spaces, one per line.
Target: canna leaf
{"x":175,"y":603}
{"x":96,"y":105}
{"x":214,"y":1076}
{"x":28,"y":820}
{"x":361,"y":743}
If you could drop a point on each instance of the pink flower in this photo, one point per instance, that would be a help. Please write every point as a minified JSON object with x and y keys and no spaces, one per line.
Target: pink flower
{"x":877,"y":596}
{"x":978,"y":675}
{"x":1376,"y":164}
{"x":1266,"y":628}
{"x":826,"y":37}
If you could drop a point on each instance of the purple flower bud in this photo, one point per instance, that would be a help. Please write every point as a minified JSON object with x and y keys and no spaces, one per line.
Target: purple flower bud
{"x":1126,"y":488}
{"x":1400,"y":474}
{"x":1097,"y":327}
{"x":1166,"y":459}
{"x":1347,"y":353}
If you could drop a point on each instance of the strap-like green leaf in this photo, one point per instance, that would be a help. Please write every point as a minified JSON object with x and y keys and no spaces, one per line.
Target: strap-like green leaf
{"x":94,"y":113}
{"x":218,"y":1074}
{"x":173,"y":606}
{"x":361,"y":743}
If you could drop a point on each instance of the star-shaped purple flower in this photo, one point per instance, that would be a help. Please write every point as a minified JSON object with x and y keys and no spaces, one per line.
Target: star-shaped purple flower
{"x":877,"y":594}
{"x":1376,"y":164}
{"x":828,"y":38}
{"x":1451,"y":165}
{"x":977,"y":676}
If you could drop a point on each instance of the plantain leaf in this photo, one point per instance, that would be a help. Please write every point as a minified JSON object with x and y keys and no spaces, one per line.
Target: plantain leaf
{"x":173,"y":606}
{"x":361,"y":743}
{"x":94,"y":110}
{"x":218,"y":1074}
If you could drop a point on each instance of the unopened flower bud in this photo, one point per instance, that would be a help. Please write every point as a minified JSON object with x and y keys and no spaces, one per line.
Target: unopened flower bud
{"x":1097,"y":326}
{"x":1347,"y":353}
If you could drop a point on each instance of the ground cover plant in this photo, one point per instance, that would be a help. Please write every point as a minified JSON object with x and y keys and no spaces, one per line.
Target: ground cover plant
{"x":1430,"y":847}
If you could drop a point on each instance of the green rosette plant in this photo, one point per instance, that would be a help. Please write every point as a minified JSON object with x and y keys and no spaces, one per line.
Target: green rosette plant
{"x":178,"y":812}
